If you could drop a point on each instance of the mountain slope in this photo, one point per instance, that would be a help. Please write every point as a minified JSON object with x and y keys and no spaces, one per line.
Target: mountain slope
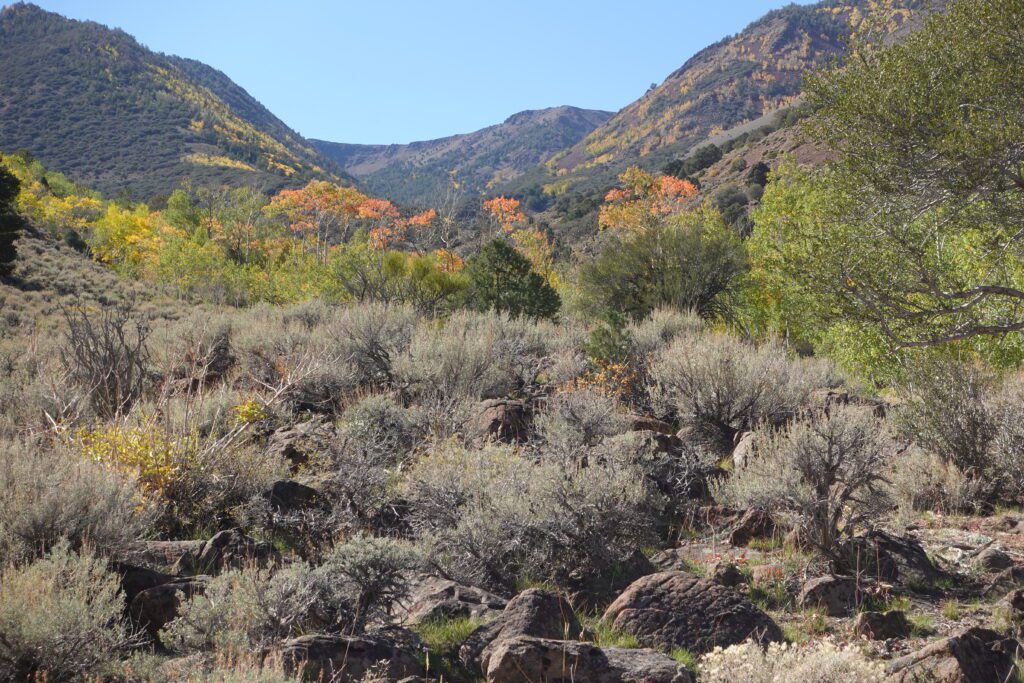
{"x":739,"y":79}
{"x":419,"y":172}
{"x":93,"y":103}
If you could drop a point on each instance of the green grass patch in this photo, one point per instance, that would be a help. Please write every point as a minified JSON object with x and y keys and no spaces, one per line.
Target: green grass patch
{"x":605,"y":636}
{"x":685,"y":657}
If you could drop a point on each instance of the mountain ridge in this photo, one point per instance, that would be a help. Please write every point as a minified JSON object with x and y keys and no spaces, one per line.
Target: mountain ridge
{"x":479,"y":159}
{"x":94,"y":103}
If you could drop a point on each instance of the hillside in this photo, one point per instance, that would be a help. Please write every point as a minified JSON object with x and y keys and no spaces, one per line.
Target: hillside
{"x":738,"y":80}
{"x":419,"y":172}
{"x":95,"y":104}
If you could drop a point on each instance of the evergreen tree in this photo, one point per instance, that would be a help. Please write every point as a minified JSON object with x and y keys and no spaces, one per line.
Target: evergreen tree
{"x":10,"y":221}
{"x":502,"y":279}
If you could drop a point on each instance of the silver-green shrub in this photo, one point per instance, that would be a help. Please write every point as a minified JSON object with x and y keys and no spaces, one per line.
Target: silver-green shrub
{"x":61,"y":619}
{"x":827,"y":473}
{"x":51,"y":495}
{"x":724,"y":386}
{"x":492,"y":517}
{"x":573,"y":422}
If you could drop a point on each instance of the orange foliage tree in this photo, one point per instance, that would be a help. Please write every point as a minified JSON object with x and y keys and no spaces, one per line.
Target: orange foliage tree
{"x":642,"y":199}
{"x":503,"y":213}
{"x":320,"y":210}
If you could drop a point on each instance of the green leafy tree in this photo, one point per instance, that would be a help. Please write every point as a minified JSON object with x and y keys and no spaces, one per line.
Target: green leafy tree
{"x":10,"y":221}
{"x":690,"y":262}
{"x":500,"y":278}
{"x":922,"y":237}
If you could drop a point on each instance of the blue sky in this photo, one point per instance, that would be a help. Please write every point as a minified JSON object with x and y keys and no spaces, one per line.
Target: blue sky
{"x":392,"y":71}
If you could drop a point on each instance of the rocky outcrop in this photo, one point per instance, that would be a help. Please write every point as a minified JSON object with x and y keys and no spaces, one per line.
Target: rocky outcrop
{"x":753,"y":524}
{"x":520,"y":659}
{"x":504,"y":419}
{"x":676,"y":609}
{"x":881,"y":625}
{"x":992,"y":559}
{"x":890,"y":558}
{"x":289,"y":496}
{"x":346,"y":659}
{"x":135,"y":579}
{"x":726,"y":574}
{"x":155,"y":607}
{"x":165,"y":555}
{"x":534,"y":612}
{"x":836,"y":595}
{"x":297,"y":443}
{"x":435,"y":598}
{"x":229,"y":549}
{"x":971,"y":656}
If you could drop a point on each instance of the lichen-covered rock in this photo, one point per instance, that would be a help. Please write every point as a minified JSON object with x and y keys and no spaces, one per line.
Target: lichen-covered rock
{"x":676,"y":609}
{"x":534,"y":612}
{"x":436,"y":598}
{"x":520,"y":659}
{"x":971,"y":656}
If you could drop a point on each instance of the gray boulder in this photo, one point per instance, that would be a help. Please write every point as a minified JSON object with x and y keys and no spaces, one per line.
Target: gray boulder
{"x":534,"y":612}
{"x":520,"y":659}
{"x":676,"y":609}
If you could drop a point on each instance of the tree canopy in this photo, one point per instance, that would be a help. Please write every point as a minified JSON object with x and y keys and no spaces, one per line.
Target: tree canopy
{"x":921,"y":234}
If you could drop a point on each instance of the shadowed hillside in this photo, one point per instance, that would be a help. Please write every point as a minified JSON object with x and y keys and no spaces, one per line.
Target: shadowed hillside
{"x":95,"y":104}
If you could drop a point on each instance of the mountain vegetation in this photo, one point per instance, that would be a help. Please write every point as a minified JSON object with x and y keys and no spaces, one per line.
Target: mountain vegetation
{"x":767,"y":424}
{"x":96,"y":105}
{"x":419,"y":172}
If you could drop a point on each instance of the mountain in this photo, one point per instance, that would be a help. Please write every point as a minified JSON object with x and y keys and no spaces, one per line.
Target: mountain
{"x":93,"y":103}
{"x":419,"y":172}
{"x":738,"y":80}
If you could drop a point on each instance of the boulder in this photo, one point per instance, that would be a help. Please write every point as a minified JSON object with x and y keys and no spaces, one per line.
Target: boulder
{"x":522,"y":658}
{"x":289,"y":496}
{"x":346,"y":659}
{"x":676,"y":609}
{"x":971,"y":656}
{"x":726,"y":574}
{"x":836,"y":595}
{"x":881,"y":625}
{"x":646,"y":423}
{"x":229,"y":549}
{"x":1008,"y":579}
{"x":155,"y":607}
{"x":504,"y":419}
{"x":297,"y":443}
{"x":165,"y":555}
{"x":534,"y":612}
{"x":743,"y":451}
{"x":135,"y":579}
{"x":754,"y":523}
{"x":436,"y":598}
{"x":889,"y":558}
{"x":992,"y":559}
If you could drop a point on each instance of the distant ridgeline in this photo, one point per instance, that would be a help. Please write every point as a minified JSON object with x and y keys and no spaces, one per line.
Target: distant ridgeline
{"x":96,"y":105}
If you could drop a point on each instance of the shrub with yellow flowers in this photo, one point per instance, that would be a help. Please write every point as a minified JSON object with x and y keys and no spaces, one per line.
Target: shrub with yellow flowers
{"x":250,"y":411}
{"x":145,"y":451}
